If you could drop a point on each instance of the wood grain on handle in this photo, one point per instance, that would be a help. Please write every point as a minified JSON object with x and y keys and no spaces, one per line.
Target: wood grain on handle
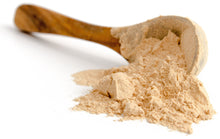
{"x":30,"y":18}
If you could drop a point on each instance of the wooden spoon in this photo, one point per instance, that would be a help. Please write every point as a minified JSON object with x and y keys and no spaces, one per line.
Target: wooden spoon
{"x":30,"y":18}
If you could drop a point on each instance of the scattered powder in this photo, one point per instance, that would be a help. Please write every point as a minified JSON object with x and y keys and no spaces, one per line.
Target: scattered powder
{"x":154,"y":86}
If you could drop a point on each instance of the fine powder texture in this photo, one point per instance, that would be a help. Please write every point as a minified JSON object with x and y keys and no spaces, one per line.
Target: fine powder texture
{"x":154,"y":86}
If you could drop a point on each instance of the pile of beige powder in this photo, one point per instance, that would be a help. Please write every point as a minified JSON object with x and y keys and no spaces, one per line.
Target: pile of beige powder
{"x":154,"y":86}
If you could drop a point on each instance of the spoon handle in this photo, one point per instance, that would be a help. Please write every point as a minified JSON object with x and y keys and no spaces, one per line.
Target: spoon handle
{"x":30,"y":18}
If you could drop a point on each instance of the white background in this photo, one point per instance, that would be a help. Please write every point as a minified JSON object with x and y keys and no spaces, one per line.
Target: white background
{"x":36,"y":88}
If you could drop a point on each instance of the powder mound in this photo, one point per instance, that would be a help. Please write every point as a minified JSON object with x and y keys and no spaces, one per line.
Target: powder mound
{"x":154,"y":86}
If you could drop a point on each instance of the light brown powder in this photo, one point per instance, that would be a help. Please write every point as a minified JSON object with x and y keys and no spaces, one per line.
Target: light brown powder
{"x":154,"y":86}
